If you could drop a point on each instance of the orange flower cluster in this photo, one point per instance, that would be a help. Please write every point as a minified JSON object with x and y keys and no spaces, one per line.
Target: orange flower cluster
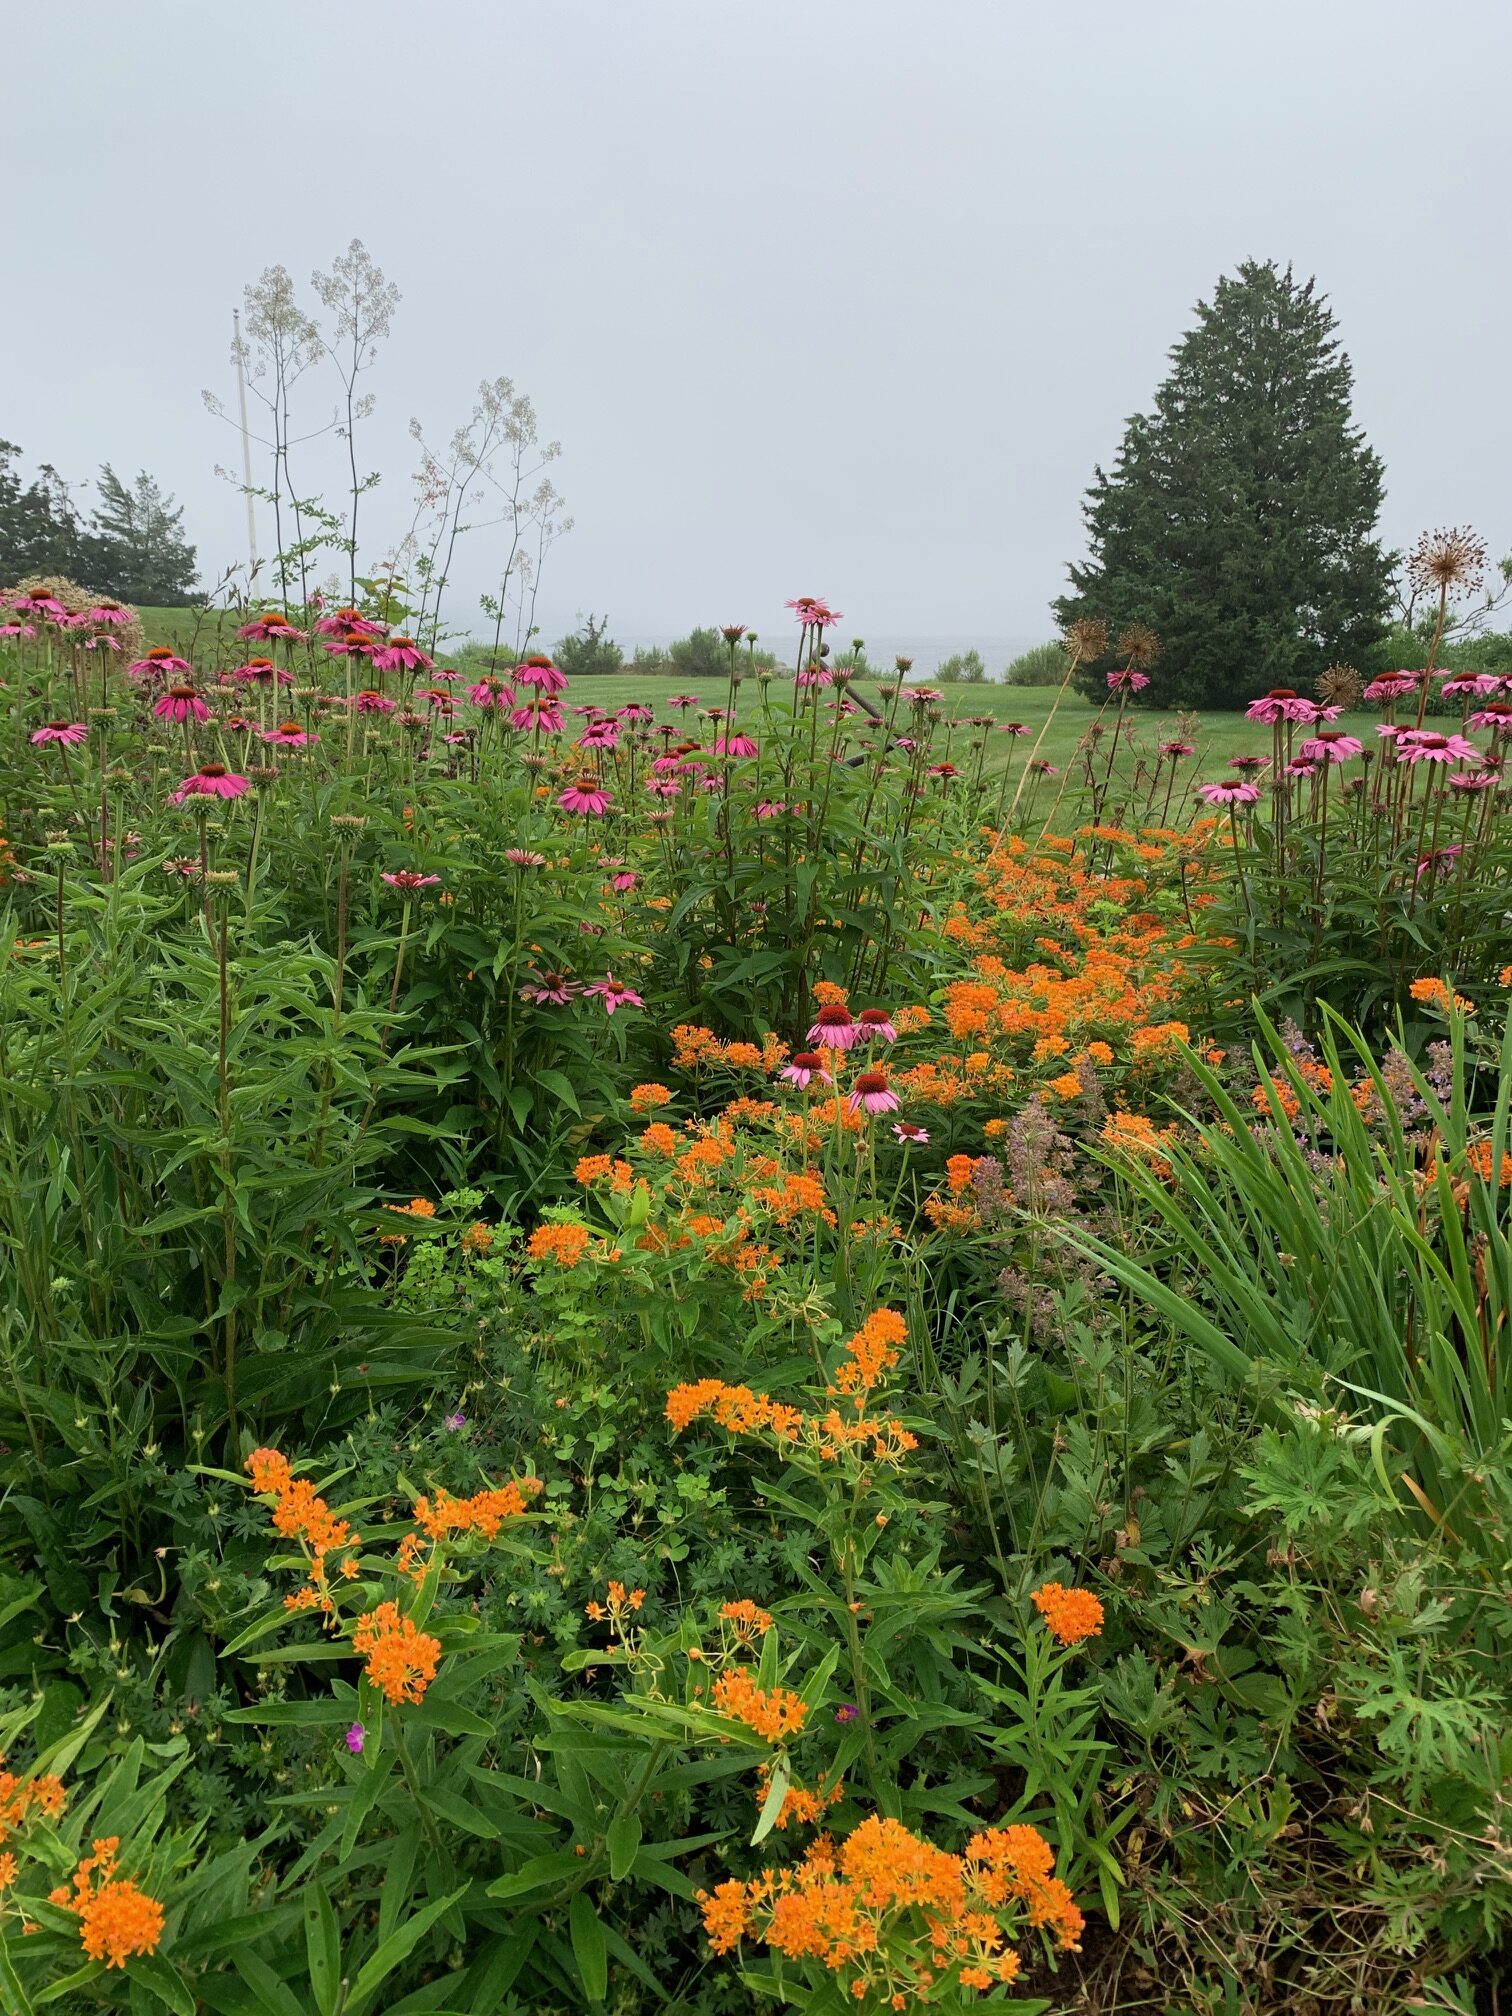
{"x":646,"y":1098}
{"x":1136,"y":1135}
{"x":18,"y":1796}
{"x":417,"y":1207}
{"x":772,"y":1712}
{"x":872,"y":1352}
{"x":695,"y":1048}
{"x":484,"y":1512}
{"x":1433,"y":993}
{"x":401,"y":1658}
{"x":892,"y":1917}
{"x":299,"y":1514}
{"x":748,"y":1621}
{"x":800,"y":1807}
{"x":563,"y":1244}
{"x":829,"y":1436}
{"x":1072,"y":1614}
{"x":116,"y":1919}
{"x":621,"y":1602}
{"x":1478,"y":1158}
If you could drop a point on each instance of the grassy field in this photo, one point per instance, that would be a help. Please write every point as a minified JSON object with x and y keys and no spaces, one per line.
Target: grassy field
{"x":207,"y":636}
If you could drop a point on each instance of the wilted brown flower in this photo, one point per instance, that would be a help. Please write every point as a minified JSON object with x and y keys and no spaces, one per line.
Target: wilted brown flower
{"x":1339,"y":686}
{"x":1451,"y":562}
{"x":1138,"y":646}
{"x":1086,"y":639}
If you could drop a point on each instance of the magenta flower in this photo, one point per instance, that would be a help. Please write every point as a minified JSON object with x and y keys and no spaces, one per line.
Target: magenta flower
{"x":356,"y":1736}
{"x":540,"y":713}
{"x":635,"y":712}
{"x":1469,"y":685}
{"x":587,"y":797}
{"x":1228,"y":794}
{"x":665,"y":787}
{"x":876,"y":1026}
{"x":454,"y":1423}
{"x":261,"y":672}
{"x":289,"y":735}
{"x":624,"y":880}
{"x":60,"y":731}
{"x":816,"y":674}
{"x":1176,"y":750}
{"x":160,"y":663}
{"x":369,"y":702}
{"x":409,"y":879}
{"x":1391,"y":686}
{"x":770,"y":808}
{"x":1282,"y":703}
{"x":351,"y":644}
{"x":539,"y":672}
{"x":401,"y":654}
{"x":439,"y":701}
{"x":1496,"y":716}
{"x":37,"y":602}
{"x":813,"y":609}
{"x":834,"y":1029}
{"x":1443,"y":857}
{"x":1426,"y":745}
{"x":803,"y":1067}
{"x":871,"y":1093}
{"x":1249,"y":765}
{"x":111,"y":614}
{"x":910,"y":1134}
{"x":524,"y":857}
{"x":600,"y":735}
{"x":734,"y":745}
{"x":211,"y":780}
{"x":1127,"y":680}
{"x":8,"y":630}
{"x":491,"y":691}
{"x":1331,"y":745}
{"x":348,"y":623}
{"x":680,"y":700}
{"x":614,"y":994}
{"x":550,"y":989}
{"x":732,"y":632}
{"x":1470,"y":782}
{"x":271,"y":627}
{"x":180,"y":703}
{"x":1300,"y":766}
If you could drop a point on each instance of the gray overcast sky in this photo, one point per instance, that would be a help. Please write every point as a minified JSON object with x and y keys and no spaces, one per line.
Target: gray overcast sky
{"x":830,"y":296}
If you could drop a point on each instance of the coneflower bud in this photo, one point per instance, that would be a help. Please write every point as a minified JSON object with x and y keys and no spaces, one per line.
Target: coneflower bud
{"x":348,"y":822}
{"x":222,"y":878}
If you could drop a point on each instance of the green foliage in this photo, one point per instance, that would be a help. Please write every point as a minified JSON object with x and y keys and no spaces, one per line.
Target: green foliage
{"x":1045,"y":665}
{"x":965,"y":668}
{"x":136,"y":548}
{"x":1238,"y":520}
{"x":590,"y":651}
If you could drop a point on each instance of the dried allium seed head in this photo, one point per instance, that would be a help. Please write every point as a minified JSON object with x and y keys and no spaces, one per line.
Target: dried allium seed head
{"x":1086,"y":638}
{"x":1451,"y":562}
{"x":1339,"y":686}
{"x":1138,"y":646}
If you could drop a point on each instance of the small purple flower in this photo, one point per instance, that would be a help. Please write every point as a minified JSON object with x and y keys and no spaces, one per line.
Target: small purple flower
{"x":847,"y":1712}
{"x":356,"y":1736}
{"x":454,"y":1423}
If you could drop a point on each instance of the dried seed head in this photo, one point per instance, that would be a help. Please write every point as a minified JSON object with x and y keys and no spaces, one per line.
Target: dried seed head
{"x":1138,"y":646}
{"x":1086,"y":638}
{"x":1339,"y":686}
{"x":1451,"y":562}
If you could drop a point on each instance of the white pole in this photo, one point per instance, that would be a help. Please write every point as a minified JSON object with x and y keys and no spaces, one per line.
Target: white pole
{"x":241,"y":400}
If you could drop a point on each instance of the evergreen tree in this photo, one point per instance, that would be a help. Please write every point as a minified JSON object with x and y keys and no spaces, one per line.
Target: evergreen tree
{"x":136,"y":549}
{"x":39,"y":527}
{"x":1238,"y":520}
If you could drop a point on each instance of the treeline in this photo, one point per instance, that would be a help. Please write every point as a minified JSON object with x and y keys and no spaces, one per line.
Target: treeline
{"x":131,"y":546}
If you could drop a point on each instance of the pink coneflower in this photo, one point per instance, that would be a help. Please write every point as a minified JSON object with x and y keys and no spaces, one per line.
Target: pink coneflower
{"x":732,"y":632}
{"x":1391,"y":731}
{"x":614,"y":994}
{"x":1497,"y":716}
{"x":438,"y":700}
{"x":550,"y":989}
{"x":623,"y":880}
{"x":817,"y":674}
{"x":409,"y":879}
{"x":943,"y":770}
{"x":872,"y":1094}
{"x":803,"y":1067}
{"x":69,"y":732}
{"x":447,"y":672}
{"x":37,"y":602}
{"x":876,"y":1026}
{"x":180,"y":703}
{"x":1472,"y":781}
{"x":770,"y":808}
{"x":635,"y":712}
{"x":666,"y":787}
{"x":680,"y":700}
{"x":910,"y":1134}
{"x":237,"y":724}
{"x":600,"y":735}
{"x":369,"y":702}
{"x":834,"y":1029}
{"x":401,"y":654}
{"x":1249,"y":765}
{"x":348,"y":622}
{"x":270,"y":628}
{"x":1331,"y":745}
{"x":1426,"y":745}
{"x":211,"y":780}
{"x":814,"y":609}
{"x":1442,"y":857}
{"x":1127,"y":680}
{"x":352,"y":644}
{"x":290,"y":735}
{"x":1300,"y":766}
{"x":1469,"y":685}
{"x":160,"y":663}
{"x":734,"y":745}
{"x":491,"y":691}
{"x":1007,"y":728}
{"x":1176,"y":750}
{"x":9,"y":630}
{"x":538,"y":671}
{"x":111,"y":614}
{"x":1282,"y":703}
{"x":587,"y":797}
{"x":524,"y":857}
{"x":261,"y":672}
{"x":539,"y":713}
{"x":1391,"y":686}
{"x":1042,"y":768}
{"x":1228,"y":794}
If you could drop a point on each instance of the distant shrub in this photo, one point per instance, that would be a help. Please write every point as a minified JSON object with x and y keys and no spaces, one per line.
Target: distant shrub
{"x":590,"y":649}
{"x":964,"y":669}
{"x":702,"y":654}
{"x":1045,"y":665}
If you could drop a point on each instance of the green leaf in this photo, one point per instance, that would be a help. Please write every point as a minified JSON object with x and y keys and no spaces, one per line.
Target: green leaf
{"x":623,"y":1839}
{"x":771,"y":1806}
{"x":588,"y":1946}
{"x":322,"y":1948}
{"x":161,"y":1980}
{"x":399,"y":1945}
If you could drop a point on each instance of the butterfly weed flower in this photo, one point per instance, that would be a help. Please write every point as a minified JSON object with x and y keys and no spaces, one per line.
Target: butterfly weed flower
{"x":1072,"y":1615}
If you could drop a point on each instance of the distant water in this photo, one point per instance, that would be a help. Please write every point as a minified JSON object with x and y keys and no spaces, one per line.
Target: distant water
{"x":928,"y":653}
